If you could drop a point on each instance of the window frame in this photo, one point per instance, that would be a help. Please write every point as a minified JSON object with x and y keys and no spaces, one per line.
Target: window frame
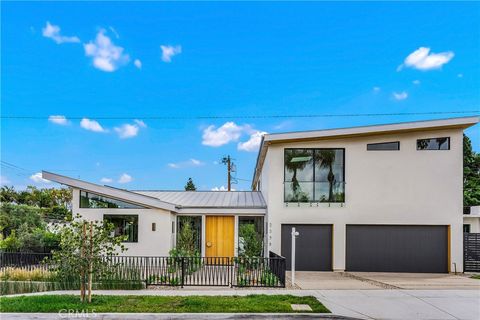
{"x":448,"y":140}
{"x":106,"y":216}
{"x":313,"y":175}
{"x":380,"y":143}
{"x":135,"y":206}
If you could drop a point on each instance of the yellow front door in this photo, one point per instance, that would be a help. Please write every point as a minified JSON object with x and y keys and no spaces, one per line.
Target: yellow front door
{"x":219,"y":236}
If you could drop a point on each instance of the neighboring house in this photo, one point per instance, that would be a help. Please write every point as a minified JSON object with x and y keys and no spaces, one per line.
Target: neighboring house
{"x":374,"y":198}
{"x":471,"y":219}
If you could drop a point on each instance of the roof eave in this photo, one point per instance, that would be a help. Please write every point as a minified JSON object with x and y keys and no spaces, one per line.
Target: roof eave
{"x":116,"y":193}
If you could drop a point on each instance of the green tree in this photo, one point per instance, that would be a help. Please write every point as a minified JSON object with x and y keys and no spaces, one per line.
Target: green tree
{"x":186,"y":243}
{"x":471,"y":174}
{"x":86,"y":250}
{"x":190,"y":186}
{"x":327,"y":159}
{"x":251,"y":242}
{"x":296,"y":160}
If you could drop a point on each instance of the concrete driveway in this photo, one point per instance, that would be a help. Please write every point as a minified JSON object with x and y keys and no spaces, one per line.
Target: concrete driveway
{"x":375,"y":280}
{"x":403,"y":304}
{"x":421,"y":280}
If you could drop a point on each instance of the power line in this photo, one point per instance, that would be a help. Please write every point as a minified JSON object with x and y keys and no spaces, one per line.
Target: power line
{"x":272,"y":116}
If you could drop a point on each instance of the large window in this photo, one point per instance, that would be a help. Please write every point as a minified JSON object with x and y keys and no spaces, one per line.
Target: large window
{"x":125,"y":225}
{"x":189,"y":234}
{"x":314,"y":175}
{"x":434,"y":144}
{"x":250,"y":236}
{"x":94,"y":201}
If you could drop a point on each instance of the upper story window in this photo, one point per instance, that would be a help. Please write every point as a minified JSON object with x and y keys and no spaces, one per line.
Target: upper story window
{"x":434,"y":144}
{"x":314,"y":175}
{"x":125,"y":225}
{"x":384,"y":146}
{"x":95,"y":201}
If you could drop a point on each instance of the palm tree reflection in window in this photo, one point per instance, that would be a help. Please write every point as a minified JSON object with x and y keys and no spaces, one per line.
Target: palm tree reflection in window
{"x":298,"y":161}
{"x":326,"y":158}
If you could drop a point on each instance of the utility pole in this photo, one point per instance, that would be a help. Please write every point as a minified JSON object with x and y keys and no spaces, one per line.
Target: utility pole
{"x":228,"y":161}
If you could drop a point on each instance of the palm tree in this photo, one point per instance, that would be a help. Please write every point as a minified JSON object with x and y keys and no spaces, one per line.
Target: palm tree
{"x":296,"y":160}
{"x":326,"y":158}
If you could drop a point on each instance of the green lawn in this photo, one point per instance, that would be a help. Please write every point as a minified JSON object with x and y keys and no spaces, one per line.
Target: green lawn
{"x":251,"y":303}
{"x":476,"y":276}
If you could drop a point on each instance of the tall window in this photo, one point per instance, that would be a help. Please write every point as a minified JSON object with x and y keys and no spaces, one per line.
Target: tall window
{"x":434,"y":144}
{"x":94,"y":201}
{"x":189,"y":234}
{"x":250,"y":236}
{"x":125,"y":225}
{"x":314,"y":175}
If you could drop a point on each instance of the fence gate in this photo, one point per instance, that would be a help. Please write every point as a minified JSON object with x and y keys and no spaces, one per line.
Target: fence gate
{"x":471,"y":252}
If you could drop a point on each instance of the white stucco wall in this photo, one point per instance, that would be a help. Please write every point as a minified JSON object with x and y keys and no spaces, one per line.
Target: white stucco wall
{"x":382,"y":187}
{"x":150,"y":243}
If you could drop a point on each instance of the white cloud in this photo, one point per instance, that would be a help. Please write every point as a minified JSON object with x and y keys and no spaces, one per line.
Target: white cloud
{"x":422,"y":59}
{"x":105,"y":54}
{"x":106,"y":180}
{"x":376,"y":89}
{"x":228,"y":132}
{"x":125,"y":178}
{"x":53,"y":32}
{"x":58,"y":119}
{"x":189,"y":163}
{"x":127,"y":130}
{"x":400,"y":95}
{"x":37,"y":178}
{"x":4,"y":180}
{"x":138,"y":63}
{"x":253,"y":143}
{"x":169,"y":51}
{"x":91,"y":125}
{"x":417,"y":82}
{"x":114,"y":32}
{"x":140,"y":123}
{"x":221,"y":188}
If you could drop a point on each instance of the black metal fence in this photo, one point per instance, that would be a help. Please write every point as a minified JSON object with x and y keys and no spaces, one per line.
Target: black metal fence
{"x":471,"y":252}
{"x":174,"y":271}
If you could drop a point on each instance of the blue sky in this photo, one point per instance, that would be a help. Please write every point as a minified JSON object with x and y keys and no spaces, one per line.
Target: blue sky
{"x":85,"y":61}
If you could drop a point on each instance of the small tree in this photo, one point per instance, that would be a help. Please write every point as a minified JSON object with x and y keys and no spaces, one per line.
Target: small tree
{"x":251,"y":241}
{"x":190,"y":186}
{"x":86,"y":249}
{"x":186,"y":244}
{"x":471,"y":174}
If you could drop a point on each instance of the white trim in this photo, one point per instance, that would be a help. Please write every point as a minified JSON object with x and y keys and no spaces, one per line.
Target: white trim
{"x":221,"y":211}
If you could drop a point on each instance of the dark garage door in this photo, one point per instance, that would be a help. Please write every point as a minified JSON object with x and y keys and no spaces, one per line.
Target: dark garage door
{"x":313,"y":249}
{"x":389,"y":248}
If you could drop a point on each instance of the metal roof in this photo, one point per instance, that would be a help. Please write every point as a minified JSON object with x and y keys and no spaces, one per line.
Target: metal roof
{"x":210,"y":199}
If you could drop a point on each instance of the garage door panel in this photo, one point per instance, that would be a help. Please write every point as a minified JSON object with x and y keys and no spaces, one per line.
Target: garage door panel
{"x":393,"y":248}
{"x":313,"y":247}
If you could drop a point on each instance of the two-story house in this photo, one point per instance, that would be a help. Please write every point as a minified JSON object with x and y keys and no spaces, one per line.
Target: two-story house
{"x":373,"y":198}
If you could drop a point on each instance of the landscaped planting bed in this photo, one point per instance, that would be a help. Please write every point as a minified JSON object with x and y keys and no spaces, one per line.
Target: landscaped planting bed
{"x":18,"y":280}
{"x":160,"y":304}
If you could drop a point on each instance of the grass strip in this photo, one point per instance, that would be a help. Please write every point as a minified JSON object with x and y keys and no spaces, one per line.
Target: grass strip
{"x":160,"y":304}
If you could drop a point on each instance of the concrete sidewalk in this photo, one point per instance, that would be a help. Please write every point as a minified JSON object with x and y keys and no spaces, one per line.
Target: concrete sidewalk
{"x":389,"y":304}
{"x":171,"y":316}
